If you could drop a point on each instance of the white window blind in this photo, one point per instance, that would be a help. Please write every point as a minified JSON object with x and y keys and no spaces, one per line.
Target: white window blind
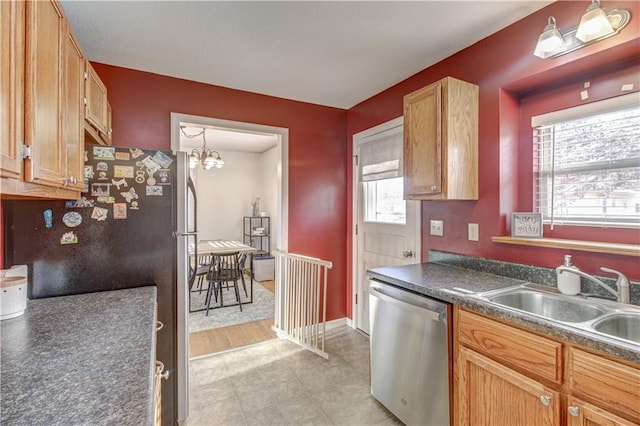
{"x":587,"y":164}
{"x":381,"y":158}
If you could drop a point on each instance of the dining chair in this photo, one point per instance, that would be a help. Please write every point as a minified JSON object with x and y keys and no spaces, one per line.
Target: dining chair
{"x":223,"y":271}
{"x":202,"y":267}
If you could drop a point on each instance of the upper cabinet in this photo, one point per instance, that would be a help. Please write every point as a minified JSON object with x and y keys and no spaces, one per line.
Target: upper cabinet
{"x":97,"y":108}
{"x":12,"y":86}
{"x":441,"y":142}
{"x":48,"y":161}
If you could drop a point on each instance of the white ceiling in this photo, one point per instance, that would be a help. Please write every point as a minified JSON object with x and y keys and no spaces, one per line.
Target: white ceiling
{"x":220,"y":139}
{"x":334,"y":53}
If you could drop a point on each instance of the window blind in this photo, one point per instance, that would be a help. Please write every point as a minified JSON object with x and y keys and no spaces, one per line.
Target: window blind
{"x":381,"y":158}
{"x":587,"y":167}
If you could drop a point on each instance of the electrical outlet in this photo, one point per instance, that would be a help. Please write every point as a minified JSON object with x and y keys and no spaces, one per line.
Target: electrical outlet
{"x":473,"y":232}
{"x":437,"y":228}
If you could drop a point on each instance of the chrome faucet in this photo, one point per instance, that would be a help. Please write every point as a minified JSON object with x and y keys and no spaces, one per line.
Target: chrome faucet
{"x":622,"y":283}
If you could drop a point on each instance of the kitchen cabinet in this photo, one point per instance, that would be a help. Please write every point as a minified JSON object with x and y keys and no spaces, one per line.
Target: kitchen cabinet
{"x":507,"y":375}
{"x":441,"y":142}
{"x":53,"y":98}
{"x":12,"y":85}
{"x":97,"y":108}
{"x":492,"y":394}
{"x":585,"y":414}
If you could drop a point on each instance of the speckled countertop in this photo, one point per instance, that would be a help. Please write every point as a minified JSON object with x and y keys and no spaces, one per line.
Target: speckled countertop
{"x":440,"y":281}
{"x":82,"y":359}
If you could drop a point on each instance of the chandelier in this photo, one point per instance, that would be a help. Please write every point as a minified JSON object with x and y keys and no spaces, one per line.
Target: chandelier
{"x":208,"y":158}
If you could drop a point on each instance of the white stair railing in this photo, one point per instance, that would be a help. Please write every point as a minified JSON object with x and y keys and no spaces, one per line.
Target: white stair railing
{"x":301,"y":300}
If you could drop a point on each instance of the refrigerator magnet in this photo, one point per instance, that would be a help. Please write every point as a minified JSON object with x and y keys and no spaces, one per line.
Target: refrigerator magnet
{"x":88,"y":172}
{"x":102,"y":166}
{"x":123,"y":156}
{"x":123,"y":171}
{"x":136,"y":152}
{"x":48,"y":218}
{"x":163,"y":159}
{"x":102,"y":176}
{"x":99,"y":214}
{"x":164,"y":177}
{"x":139,"y":176}
{"x":154,"y":190}
{"x":100,"y":189}
{"x":120,"y":211}
{"x":69,"y":238}
{"x":151,"y":181}
{"x":151,"y":165}
{"x":105,"y":199}
{"x":134,"y":205}
{"x":72,"y":219}
{"x":130,"y":195}
{"x":104,"y":153}
{"x":119,"y":183}
{"x":80,"y":204}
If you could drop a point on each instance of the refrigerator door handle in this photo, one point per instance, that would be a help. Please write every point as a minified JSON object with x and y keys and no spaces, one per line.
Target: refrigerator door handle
{"x":177,"y":234}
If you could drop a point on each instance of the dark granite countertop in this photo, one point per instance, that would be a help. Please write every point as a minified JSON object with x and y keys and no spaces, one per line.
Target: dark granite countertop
{"x":81,"y":359}
{"x":444,"y":282}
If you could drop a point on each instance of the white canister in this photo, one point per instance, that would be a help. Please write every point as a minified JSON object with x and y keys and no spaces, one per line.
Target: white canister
{"x":13,"y":297}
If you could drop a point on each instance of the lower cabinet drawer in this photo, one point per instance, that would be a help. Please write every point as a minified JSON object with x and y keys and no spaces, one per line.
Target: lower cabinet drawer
{"x":540,"y":356}
{"x":610,"y":384}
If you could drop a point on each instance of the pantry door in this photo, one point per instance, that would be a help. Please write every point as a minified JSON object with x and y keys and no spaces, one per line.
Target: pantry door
{"x":386,"y":227}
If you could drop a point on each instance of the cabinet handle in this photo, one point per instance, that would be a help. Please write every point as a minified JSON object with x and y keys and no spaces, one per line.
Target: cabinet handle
{"x":574,"y":411}
{"x":160,"y":371}
{"x":546,"y":400}
{"x":159,"y":325}
{"x":434,"y":188}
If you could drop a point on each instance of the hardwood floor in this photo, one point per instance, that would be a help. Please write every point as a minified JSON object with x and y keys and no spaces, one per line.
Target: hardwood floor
{"x":221,"y":339}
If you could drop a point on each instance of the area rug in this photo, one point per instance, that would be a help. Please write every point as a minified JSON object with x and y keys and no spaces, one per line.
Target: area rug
{"x":261,"y":308}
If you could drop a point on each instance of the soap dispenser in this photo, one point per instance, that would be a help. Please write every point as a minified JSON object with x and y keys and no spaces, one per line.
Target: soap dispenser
{"x":568,"y":283}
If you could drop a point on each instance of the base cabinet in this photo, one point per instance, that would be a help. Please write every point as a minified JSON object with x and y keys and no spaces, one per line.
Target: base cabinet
{"x":505,"y":375}
{"x":581,"y":413}
{"x":492,"y":394}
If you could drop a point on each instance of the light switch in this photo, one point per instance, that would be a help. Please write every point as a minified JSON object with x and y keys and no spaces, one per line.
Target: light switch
{"x":473,"y":232}
{"x":437,"y":228}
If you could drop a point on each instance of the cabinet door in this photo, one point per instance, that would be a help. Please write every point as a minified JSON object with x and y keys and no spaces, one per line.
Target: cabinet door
{"x":96,"y":108}
{"x":581,"y":413}
{"x":46,"y":31}
{"x":73,"y":107}
{"x":12,"y":86}
{"x":423,"y":142}
{"x":492,"y":394}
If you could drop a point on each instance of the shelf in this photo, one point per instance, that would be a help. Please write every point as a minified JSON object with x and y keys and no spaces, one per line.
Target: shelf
{"x":591,"y":246}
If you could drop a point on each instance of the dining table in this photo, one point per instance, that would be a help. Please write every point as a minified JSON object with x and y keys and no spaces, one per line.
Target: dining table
{"x":214,"y":247}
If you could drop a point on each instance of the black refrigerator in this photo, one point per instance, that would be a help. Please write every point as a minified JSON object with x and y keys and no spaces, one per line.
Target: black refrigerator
{"x":120,"y":234}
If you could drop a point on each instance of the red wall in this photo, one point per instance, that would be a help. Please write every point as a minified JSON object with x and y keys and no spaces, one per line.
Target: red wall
{"x":504,"y":68}
{"x":142,"y":103}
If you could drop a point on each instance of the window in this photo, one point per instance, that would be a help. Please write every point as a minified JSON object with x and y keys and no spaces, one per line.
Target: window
{"x":380,"y":165}
{"x":587,"y":164}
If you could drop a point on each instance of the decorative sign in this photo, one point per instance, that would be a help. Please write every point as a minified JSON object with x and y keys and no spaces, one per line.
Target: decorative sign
{"x":527,"y":225}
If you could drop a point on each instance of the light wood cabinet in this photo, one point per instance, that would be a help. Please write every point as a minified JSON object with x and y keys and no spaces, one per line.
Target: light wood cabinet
{"x":581,"y":413}
{"x":492,"y":394}
{"x":441,"y":142}
{"x":12,"y":15}
{"x":53,"y":88}
{"x":97,"y":106}
{"x":501,"y":368}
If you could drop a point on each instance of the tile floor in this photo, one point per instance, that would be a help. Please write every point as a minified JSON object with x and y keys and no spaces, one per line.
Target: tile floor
{"x":279,"y":383}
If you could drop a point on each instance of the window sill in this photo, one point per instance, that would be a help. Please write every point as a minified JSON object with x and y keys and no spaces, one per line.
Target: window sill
{"x":592,"y":246}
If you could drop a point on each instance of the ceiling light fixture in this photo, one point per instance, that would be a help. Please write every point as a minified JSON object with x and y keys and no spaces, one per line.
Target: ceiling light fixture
{"x":595,"y":25}
{"x":208,"y":158}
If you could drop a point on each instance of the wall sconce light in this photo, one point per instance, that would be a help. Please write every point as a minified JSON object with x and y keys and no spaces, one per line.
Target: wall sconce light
{"x":595,"y":25}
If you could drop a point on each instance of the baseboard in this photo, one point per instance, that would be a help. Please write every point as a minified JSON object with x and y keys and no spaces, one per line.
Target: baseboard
{"x":337,"y":323}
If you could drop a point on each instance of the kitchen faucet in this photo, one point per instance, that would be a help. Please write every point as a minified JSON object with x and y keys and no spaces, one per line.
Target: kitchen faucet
{"x":622,"y":283}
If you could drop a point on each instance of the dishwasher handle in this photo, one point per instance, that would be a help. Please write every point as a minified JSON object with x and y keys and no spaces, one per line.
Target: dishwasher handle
{"x":432,"y":309}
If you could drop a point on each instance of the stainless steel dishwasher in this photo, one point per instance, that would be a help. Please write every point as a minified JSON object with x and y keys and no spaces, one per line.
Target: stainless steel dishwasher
{"x":410,"y":360}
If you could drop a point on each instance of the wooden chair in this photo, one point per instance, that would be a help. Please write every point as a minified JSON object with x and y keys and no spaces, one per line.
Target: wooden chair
{"x":223,"y":271}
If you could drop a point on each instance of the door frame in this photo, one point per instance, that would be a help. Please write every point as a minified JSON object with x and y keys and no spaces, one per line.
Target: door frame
{"x":356,"y":212}
{"x":281,"y":237}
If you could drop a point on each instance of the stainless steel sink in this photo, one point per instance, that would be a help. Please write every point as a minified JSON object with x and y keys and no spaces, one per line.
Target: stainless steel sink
{"x":623,"y":325}
{"x":602,"y":317}
{"x":548,"y":305}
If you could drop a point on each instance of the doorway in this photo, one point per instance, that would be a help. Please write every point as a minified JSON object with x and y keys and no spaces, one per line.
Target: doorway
{"x":278,"y":210}
{"x":387,"y":227}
